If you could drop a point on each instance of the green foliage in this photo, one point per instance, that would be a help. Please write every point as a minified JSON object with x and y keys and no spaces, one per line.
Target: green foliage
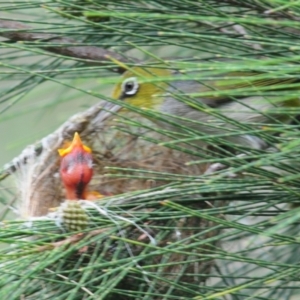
{"x":241,"y":233}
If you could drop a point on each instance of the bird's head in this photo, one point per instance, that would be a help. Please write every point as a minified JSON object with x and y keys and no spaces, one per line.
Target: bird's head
{"x":142,"y":87}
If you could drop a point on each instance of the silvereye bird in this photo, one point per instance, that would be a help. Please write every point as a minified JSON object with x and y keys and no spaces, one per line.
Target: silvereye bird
{"x":242,"y":107}
{"x":76,"y":168}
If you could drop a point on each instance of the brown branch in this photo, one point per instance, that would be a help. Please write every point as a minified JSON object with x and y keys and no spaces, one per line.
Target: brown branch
{"x":16,"y":31}
{"x":71,"y":240}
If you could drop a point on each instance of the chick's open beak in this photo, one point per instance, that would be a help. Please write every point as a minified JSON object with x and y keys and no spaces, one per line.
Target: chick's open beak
{"x":76,"y":143}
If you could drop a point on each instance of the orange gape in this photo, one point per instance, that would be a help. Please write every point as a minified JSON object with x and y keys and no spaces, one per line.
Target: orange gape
{"x":76,"y":168}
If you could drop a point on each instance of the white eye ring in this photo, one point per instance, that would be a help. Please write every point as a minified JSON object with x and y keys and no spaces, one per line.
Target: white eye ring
{"x":130,"y":86}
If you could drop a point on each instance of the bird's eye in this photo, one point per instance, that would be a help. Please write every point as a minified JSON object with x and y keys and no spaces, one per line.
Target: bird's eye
{"x":130,"y":86}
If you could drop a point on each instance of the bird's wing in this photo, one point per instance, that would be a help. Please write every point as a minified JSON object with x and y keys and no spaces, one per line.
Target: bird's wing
{"x":242,"y":84}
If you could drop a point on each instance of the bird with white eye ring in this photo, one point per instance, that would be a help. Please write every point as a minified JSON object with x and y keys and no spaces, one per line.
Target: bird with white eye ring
{"x":243,"y":109}
{"x":130,"y":87}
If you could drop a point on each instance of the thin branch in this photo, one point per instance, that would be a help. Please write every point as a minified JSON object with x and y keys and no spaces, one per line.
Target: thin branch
{"x":71,"y":240}
{"x":16,"y":31}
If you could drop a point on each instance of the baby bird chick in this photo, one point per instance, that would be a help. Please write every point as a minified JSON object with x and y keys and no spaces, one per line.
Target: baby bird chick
{"x":76,"y":169}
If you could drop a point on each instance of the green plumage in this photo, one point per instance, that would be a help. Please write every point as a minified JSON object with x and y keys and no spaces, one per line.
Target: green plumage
{"x":215,"y":103}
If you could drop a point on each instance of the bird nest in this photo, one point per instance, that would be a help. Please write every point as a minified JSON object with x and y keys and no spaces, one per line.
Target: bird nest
{"x":147,"y":242}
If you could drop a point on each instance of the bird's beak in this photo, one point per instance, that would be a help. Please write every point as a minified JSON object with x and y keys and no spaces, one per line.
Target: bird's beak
{"x":76,"y":143}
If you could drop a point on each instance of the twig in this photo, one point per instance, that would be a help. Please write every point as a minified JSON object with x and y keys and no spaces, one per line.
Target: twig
{"x":69,"y":280}
{"x":16,"y":31}
{"x":73,"y":239}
